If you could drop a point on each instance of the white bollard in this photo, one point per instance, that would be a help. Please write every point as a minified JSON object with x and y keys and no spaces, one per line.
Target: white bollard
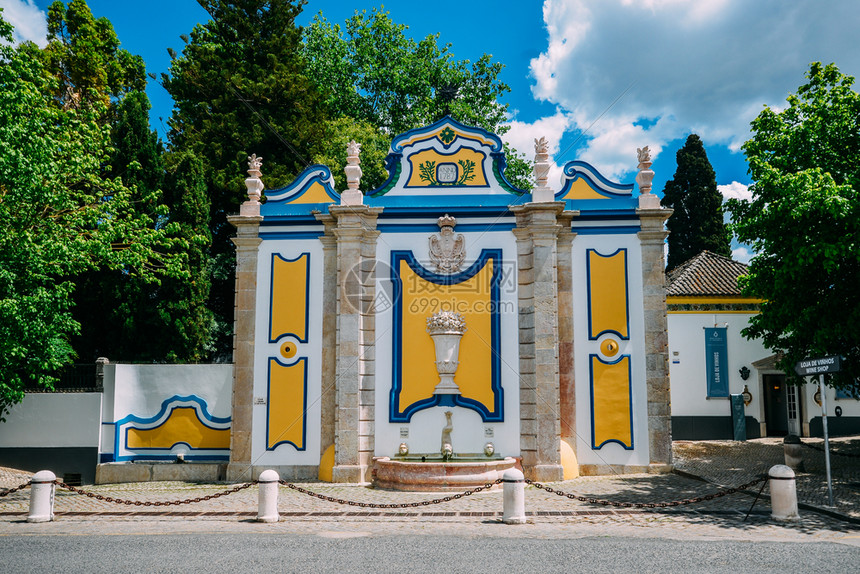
{"x":513,"y":492}
{"x":783,"y":493}
{"x":267,"y":508}
{"x":42,"y":496}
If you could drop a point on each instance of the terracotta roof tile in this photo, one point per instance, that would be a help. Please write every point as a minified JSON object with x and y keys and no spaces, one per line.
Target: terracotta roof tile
{"x":706,"y":274}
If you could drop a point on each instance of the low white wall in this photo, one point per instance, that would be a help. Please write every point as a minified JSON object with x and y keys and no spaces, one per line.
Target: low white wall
{"x":53,"y":420}
{"x":687,"y":363}
{"x":140,"y":390}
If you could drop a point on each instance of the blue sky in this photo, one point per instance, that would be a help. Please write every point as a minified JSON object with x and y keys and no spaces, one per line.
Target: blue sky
{"x":597,"y":78}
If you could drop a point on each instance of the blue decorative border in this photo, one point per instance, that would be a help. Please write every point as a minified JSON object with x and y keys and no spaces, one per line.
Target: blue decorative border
{"x":174,"y":402}
{"x":302,"y":183}
{"x":274,"y":235}
{"x":272,"y":296}
{"x":397,"y":145}
{"x":595,"y":446}
{"x":445,"y":185}
{"x":304,"y":403}
{"x":605,"y":230}
{"x":576,"y":169}
{"x":626,"y":292}
{"x":496,"y":415}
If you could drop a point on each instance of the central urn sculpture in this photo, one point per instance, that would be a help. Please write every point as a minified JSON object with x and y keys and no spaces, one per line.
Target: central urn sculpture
{"x":446,"y":328}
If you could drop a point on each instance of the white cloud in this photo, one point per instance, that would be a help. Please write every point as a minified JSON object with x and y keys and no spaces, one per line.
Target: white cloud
{"x":29,"y":21}
{"x":703,"y":66}
{"x":522,"y":136}
{"x":742,"y":254}
{"x":735,"y":190}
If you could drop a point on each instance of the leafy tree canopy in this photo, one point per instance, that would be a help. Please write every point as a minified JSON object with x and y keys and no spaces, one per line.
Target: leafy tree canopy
{"x":804,"y":223}
{"x":240,"y":87}
{"x":697,"y":222}
{"x":61,"y":217}
{"x":83,"y":53}
{"x":370,"y":70}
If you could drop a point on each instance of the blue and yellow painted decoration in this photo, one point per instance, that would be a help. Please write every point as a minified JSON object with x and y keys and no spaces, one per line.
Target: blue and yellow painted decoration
{"x":312,"y":189}
{"x":608,"y":301}
{"x":288,"y":303}
{"x":447,"y":154}
{"x":611,"y":402}
{"x":418,"y":294}
{"x":288,"y":396}
{"x":181,"y":420}
{"x":583,"y":181}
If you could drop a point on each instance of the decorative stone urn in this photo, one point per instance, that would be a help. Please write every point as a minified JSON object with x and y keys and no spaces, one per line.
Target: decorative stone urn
{"x":446,"y":328}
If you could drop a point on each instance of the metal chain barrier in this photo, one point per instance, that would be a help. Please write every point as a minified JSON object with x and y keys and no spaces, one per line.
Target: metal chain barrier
{"x":16,"y":489}
{"x":149,"y":503}
{"x":820,"y":449}
{"x":682,"y":502}
{"x":399,"y":505}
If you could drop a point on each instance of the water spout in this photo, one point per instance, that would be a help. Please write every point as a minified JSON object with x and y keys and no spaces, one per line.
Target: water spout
{"x":447,"y":449}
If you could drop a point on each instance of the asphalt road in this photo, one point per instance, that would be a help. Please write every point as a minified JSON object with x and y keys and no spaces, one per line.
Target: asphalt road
{"x":357,"y":551}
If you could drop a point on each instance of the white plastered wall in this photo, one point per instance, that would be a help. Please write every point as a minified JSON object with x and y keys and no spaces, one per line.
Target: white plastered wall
{"x":687,"y":363}
{"x":611,"y":453}
{"x":140,"y":390}
{"x":53,"y":420}
{"x":286,"y":454}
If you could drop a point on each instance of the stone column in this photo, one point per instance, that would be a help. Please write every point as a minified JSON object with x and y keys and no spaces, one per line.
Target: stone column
{"x":537,"y":258}
{"x":652,"y":237}
{"x":566,"y":378}
{"x":329,"y":332}
{"x":356,"y":339}
{"x":247,"y":242}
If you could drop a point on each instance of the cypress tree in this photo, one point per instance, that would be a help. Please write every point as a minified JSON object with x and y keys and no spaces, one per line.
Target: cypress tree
{"x":697,"y":223}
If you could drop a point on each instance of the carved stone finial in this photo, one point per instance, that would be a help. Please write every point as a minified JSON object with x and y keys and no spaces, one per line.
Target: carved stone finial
{"x":352,"y":196}
{"x":542,"y":192}
{"x":254,"y":165}
{"x":647,"y":200}
{"x":255,"y":187}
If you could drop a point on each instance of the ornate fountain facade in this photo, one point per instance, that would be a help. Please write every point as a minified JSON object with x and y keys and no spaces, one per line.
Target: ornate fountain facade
{"x":536,"y":320}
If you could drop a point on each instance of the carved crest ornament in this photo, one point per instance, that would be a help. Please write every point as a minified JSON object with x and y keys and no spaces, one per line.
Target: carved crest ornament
{"x":447,"y":250}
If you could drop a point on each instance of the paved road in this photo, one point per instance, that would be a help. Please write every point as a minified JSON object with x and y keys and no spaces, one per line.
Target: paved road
{"x":359,"y":550}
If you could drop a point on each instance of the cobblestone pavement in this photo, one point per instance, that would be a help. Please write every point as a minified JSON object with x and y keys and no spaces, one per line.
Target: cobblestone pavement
{"x":730,"y":463}
{"x":549,"y":515}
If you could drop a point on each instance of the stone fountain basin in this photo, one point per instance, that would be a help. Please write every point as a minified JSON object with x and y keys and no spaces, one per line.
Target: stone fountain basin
{"x":434,"y":474}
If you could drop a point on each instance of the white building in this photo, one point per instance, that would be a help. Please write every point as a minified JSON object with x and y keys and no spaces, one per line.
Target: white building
{"x":703,"y":299}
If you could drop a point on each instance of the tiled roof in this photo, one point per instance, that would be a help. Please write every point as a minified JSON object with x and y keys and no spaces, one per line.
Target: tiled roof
{"x":706,"y":274}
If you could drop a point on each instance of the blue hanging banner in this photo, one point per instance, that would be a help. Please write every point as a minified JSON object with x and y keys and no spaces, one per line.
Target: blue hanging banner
{"x":716,"y":361}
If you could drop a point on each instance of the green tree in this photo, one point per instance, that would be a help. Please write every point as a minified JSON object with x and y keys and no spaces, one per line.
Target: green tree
{"x":61,"y":217}
{"x":372,"y":72}
{"x":239,"y":87}
{"x":803,"y":222}
{"x":697,"y":223}
{"x":83,"y":53}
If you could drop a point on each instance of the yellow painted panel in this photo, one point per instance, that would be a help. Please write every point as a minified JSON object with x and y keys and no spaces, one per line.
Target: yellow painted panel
{"x":608,"y":293}
{"x":581,"y":189}
{"x":286,"y":417}
{"x":315,"y":194}
{"x":421,"y":299}
{"x":289,"y":297}
{"x":464,"y":155}
{"x":181,"y":426}
{"x":610,"y":396}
